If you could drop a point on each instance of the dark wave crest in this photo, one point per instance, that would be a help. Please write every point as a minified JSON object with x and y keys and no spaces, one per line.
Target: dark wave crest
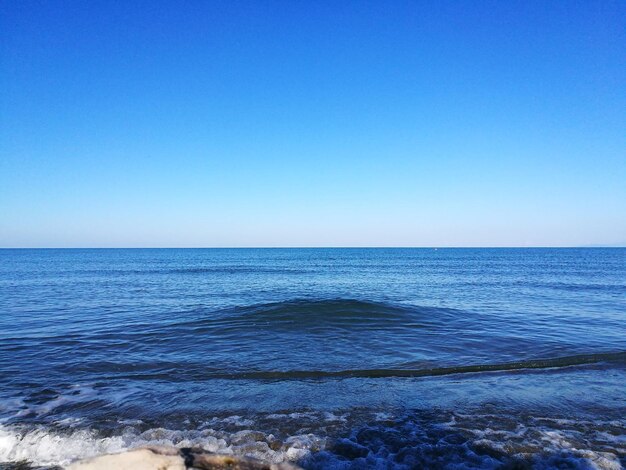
{"x":200,"y":372}
{"x":558,"y":362}
{"x":302,"y":314}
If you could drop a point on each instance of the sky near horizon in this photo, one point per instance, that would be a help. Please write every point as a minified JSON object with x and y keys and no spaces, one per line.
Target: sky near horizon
{"x":292,"y":123}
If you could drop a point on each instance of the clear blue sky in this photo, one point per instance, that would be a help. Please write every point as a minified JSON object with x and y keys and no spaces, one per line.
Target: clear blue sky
{"x":323,"y":123}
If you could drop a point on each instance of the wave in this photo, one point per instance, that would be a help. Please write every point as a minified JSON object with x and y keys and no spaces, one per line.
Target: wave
{"x":357,"y":439}
{"x":559,"y":362}
{"x":230,"y":435}
{"x":290,"y":315}
{"x":176,"y":372}
{"x":302,"y":313}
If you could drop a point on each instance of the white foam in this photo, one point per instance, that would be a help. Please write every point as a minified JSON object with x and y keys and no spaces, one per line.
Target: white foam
{"x":234,"y":420}
{"x":487,"y":441}
{"x":296,"y":415}
{"x":45,"y":447}
{"x":332,"y":417}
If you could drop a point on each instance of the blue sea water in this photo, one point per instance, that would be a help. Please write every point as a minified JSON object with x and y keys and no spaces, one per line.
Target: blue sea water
{"x":330,"y":358}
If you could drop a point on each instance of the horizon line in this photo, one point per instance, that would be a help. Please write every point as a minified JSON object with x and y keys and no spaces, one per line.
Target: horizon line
{"x":303,"y":247}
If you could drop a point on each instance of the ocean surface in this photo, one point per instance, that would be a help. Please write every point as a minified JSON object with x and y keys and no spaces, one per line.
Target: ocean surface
{"x":330,"y":358}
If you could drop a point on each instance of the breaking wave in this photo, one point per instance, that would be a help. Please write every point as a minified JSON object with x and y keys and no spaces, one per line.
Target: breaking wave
{"x":420,"y":439}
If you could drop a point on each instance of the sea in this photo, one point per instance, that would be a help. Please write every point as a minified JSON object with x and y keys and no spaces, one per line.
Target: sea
{"x":344,"y":358}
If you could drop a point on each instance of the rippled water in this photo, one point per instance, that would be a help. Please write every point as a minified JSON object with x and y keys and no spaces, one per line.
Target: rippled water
{"x":332,"y":358}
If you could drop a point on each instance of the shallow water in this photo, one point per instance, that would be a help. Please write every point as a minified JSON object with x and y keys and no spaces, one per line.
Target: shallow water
{"x":332,"y":358}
